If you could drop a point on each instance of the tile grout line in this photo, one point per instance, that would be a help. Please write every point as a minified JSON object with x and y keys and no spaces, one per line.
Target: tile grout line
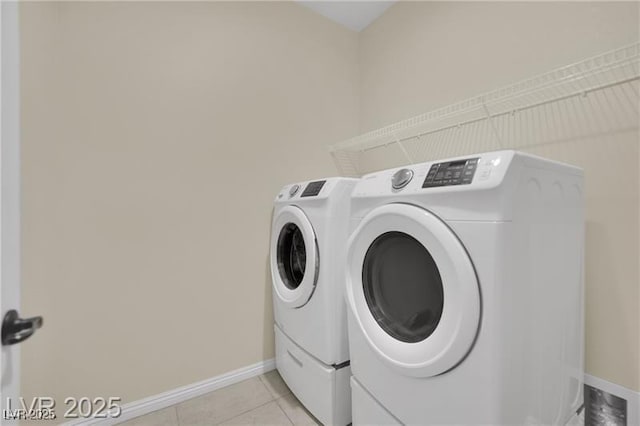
{"x":262,"y":380}
{"x":251,"y":409}
{"x":279,"y":397}
{"x":245,"y":412}
{"x":275,"y":397}
{"x":283,"y":410}
{"x":265,"y":386}
{"x":175,"y":410}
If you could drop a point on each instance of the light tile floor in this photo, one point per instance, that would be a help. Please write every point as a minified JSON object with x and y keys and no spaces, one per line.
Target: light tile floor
{"x":263,"y":400}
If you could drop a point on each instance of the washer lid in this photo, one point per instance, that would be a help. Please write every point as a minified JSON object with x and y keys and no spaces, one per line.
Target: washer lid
{"x":294,"y":257}
{"x":413,"y":290}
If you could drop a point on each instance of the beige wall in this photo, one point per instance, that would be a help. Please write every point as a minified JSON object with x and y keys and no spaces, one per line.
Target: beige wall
{"x":422,"y":55}
{"x":419,"y":56}
{"x":155,"y":136}
{"x":140,"y":118}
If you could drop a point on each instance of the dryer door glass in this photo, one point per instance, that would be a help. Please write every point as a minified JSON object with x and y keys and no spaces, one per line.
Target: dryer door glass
{"x":403,"y":287}
{"x":292,"y":255}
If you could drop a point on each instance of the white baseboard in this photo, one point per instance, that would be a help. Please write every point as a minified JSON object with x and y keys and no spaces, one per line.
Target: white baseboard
{"x":632,"y":397}
{"x":175,"y":396}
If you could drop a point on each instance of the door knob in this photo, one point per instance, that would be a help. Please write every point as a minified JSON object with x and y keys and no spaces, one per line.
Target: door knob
{"x":16,"y":329}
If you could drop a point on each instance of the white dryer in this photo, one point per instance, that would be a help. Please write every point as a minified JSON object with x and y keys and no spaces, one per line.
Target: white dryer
{"x":465,"y":292}
{"x":308,"y":246}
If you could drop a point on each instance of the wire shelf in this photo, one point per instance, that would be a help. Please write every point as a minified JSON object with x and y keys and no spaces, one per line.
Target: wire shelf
{"x":596,"y":96}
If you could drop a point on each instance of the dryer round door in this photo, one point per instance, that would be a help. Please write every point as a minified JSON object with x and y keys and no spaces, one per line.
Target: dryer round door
{"x":294,"y":257}
{"x":413,"y":290}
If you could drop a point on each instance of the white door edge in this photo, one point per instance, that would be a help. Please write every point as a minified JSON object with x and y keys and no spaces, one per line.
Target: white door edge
{"x":300,"y":295}
{"x":458,"y":325}
{"x":10,"y":190}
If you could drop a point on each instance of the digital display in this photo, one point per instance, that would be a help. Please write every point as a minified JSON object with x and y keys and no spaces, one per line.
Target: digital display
{"x":313,"y":188}
{"x":458,"y":172}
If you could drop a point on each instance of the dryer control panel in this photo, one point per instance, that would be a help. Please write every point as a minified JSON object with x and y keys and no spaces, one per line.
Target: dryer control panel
{"x":459,"y":172}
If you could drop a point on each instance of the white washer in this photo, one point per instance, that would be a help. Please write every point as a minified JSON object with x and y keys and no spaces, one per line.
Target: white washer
{"x":308,"y":246}
{"x":465,"y":292}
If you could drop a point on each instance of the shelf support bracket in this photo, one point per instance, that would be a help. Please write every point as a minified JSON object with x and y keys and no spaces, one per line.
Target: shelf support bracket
{"x":493,"y":124}
{"x":403,"y":149}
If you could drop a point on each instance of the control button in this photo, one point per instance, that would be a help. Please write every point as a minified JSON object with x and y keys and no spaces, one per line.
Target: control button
{"x":439,"y":175}
{"x":401,"y":178}
{"x":447,"y":174}
{"x":456,"y":175}
{"x":473,"y":162}
{"x":294,"y":190}
{"x":468,"y":172}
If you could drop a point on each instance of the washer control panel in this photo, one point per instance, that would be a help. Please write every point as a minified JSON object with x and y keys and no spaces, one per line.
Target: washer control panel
{"x":459,"y":172}
{"x":313,"y":188}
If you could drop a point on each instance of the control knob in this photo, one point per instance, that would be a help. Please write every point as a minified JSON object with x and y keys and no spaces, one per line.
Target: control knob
{"x":401,"y":178}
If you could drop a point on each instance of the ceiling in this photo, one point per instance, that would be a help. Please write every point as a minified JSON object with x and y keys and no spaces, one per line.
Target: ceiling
{"x":355,"y":15}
